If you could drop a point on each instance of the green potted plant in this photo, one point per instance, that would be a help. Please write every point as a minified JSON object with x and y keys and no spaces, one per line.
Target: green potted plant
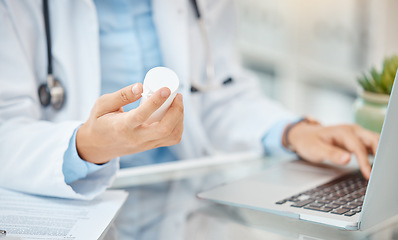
{"x":371,"y":104}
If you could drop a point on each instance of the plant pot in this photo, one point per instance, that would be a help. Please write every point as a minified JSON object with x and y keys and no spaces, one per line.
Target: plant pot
{"x":370,"y":110}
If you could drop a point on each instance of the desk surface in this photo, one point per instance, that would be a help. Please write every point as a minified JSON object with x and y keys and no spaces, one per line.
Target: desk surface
{"x":167,"y":208}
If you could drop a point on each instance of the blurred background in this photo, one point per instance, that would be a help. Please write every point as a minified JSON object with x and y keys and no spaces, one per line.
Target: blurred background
{"x":309,"y":53}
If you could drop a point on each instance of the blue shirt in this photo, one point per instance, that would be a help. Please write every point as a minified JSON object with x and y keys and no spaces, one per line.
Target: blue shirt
{"x":129,"y":47}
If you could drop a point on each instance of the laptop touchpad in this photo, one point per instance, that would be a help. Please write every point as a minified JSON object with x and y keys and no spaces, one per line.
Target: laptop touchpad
{"x":299,"y":173}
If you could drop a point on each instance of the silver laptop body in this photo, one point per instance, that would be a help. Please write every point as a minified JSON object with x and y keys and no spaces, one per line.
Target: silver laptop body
{"x":262,"y":191}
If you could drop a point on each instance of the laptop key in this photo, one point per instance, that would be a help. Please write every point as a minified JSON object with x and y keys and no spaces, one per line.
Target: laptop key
{"x":302,"y":203}
{"x":349,"y":199}
{"x":321,"y":201}
{"x":339,"y":194}
{"x":340,"y":201}
{"x":340,"y":211}
{"x":356,"y":195}
{"x":331,"y":205}
{"x":316,"y":205}
{"x":322,"y":209}
{"x":362,"y":191}
{"x":356,"y":203}
{"x":349,"y":206}
{"x":349,"y":214}
{"x":281,"y":202}
{"x":357,"y":210}
{"x":293,"y":199}
{"x":331,"y":198}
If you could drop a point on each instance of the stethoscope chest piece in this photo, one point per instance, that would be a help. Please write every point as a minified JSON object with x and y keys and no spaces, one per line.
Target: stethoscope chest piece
{"x":52,"y":93}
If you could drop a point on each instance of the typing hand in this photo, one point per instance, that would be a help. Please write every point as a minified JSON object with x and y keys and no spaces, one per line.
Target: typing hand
{"x":110,"y":132}
{"x":316,"y":143}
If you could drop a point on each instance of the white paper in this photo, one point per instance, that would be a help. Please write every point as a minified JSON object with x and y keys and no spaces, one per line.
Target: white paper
{"x":32,"y":217}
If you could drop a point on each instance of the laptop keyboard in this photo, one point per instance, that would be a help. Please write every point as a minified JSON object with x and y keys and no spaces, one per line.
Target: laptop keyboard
{"x":342,"y":196}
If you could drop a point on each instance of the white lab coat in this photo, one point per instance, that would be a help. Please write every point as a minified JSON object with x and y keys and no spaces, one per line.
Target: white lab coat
{"x":33,"y":140}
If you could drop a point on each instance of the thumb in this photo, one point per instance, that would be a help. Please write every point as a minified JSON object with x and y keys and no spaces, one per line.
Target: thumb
{"x":323,"y":151}
{"x":112,"y":102}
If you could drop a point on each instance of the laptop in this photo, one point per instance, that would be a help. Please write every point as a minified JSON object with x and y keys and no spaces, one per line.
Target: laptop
{"x":324,"y":193}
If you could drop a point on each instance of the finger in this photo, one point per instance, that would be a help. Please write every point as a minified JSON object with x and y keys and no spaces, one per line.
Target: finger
{"x":162,"y":130}
{"x":175,"y":114}
{"x":369,"y":139}
{"x":143,"y":112}
{"x":178,"y":128}
{"x":321,"y":151}
{"x":112,"y":102}
{"x":173,"y":139}
{"x":347,"y":139}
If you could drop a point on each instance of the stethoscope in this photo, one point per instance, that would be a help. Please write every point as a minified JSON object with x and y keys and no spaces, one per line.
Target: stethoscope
{"x":53,"y":93}
{"x":210,"y":69}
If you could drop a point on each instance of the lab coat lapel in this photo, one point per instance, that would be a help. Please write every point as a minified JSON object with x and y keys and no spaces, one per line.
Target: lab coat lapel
{"x":170,"y":18}
{"x":75,"y":56}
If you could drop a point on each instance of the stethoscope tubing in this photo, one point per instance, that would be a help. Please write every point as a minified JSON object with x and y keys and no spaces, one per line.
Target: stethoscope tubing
{"x":51,"y":83}
{"x":48,"y":37}
{"x":52,"y":92}
{"x":211,"y":84}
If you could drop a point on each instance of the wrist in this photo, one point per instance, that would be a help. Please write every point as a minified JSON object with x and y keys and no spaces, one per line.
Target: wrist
{"x":296,"y":129}
{"x":87,"y":147}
